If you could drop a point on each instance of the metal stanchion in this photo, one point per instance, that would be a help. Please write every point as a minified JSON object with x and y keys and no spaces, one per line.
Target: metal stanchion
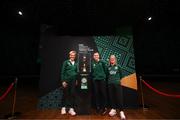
{"x":14,"y":98}
{"x":142,"y":96}
{"x":13,"y":114}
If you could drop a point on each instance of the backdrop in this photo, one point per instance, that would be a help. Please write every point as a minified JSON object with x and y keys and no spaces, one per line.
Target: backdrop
{"x":54,"y":50}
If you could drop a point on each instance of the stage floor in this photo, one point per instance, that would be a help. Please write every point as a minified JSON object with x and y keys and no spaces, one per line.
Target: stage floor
{"x":160,"y":107}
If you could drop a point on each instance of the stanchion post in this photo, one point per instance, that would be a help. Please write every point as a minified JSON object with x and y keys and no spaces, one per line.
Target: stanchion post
{"x":14,"y":98}
{"x":12,"y":115}
{"x":142,"y":95}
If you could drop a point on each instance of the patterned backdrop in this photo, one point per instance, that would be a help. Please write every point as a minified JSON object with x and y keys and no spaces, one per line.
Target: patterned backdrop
{"x":121,"y":47}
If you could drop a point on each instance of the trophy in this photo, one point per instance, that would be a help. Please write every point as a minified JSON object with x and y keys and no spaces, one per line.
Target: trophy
{"x":84,"y":69}
{"x":84,"y":64}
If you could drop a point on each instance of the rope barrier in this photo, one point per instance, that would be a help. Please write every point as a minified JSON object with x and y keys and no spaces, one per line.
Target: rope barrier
{"x":7,"y":91}
{"x":13,"y":113}
{"x":159,"y":92}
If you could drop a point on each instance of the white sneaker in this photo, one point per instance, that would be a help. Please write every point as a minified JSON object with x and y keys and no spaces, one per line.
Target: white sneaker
{"x":63,"y":110}
{"x":72,"y":112}
{"x":112,"y":112}
{"x":123,"y":117}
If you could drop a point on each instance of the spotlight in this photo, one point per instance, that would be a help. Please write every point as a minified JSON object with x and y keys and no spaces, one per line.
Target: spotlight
{"x":149,"y":18}
{"x":20,"y":13}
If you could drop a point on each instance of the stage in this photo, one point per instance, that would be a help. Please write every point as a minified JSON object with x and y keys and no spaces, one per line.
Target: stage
{"x":160,"y":107}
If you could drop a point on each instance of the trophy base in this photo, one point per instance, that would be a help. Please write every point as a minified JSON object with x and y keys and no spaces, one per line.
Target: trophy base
{"x":83,"y":100}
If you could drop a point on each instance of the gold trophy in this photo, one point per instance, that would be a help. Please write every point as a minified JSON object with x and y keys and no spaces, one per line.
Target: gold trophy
{"x":84,"y":67}
{"x":84,"y":64}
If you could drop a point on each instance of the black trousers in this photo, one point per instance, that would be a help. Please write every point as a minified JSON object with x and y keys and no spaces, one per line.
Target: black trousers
{"x":115,"y":96}
{"x":100,"y":92}
{"x":69,"y":97}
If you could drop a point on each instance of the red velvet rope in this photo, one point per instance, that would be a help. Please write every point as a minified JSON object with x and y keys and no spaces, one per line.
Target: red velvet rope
{"x":159,"y":92}
{"x":7,"y":91}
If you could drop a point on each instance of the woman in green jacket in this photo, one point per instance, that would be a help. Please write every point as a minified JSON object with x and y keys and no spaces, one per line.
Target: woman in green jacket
{"x":68,"y":78}
{"x":114,"y":87}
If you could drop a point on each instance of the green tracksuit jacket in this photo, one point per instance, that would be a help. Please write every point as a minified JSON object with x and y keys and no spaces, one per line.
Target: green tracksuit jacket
{"x":69,"y":71}
{"x":114,"y":74}
{"x":99,"y":70}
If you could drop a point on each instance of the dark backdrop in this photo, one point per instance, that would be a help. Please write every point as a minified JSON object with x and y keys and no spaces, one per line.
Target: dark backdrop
{"x":53,"y":52}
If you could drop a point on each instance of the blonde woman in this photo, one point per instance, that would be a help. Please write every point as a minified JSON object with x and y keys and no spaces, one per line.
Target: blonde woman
{"x":68,"y":78}
{"x":114,"y":87}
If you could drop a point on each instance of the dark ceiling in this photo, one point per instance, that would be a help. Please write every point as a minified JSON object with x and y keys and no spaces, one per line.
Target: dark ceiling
{"x":105,"y":15}
{"x":156,"y":42}
{"x":90,"y":15}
